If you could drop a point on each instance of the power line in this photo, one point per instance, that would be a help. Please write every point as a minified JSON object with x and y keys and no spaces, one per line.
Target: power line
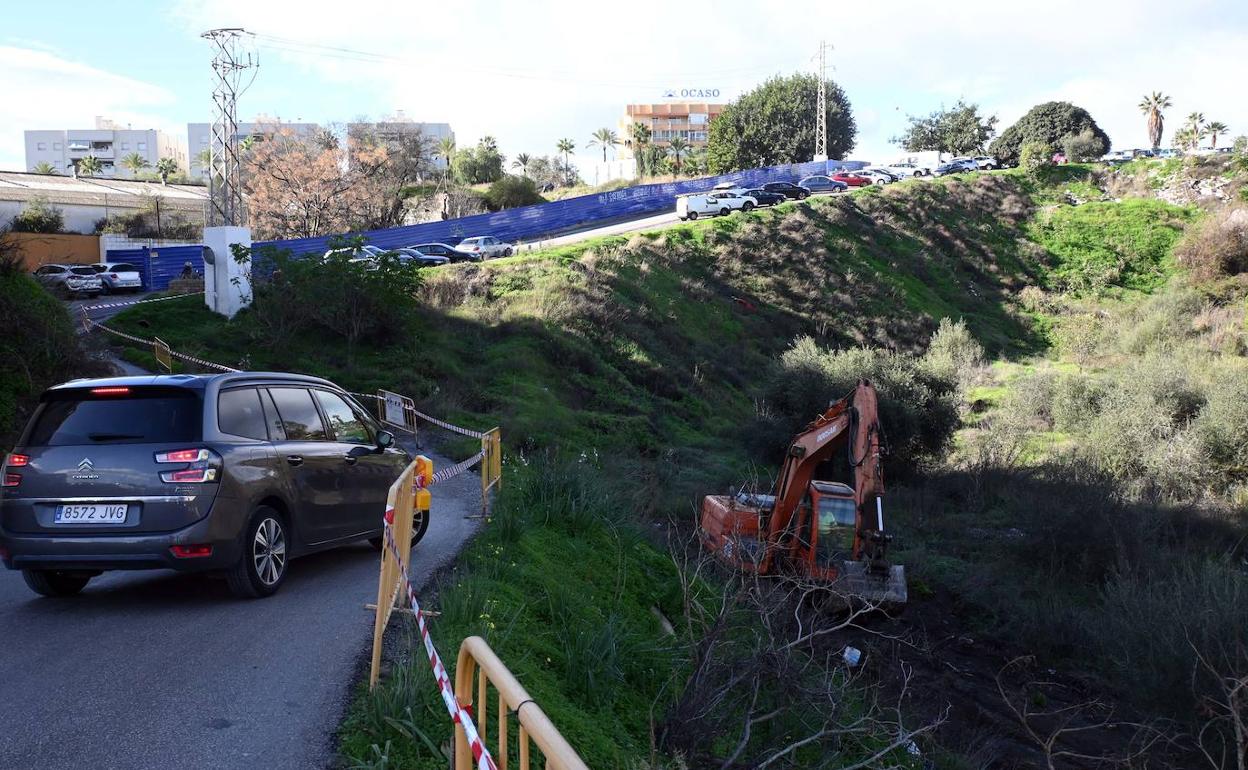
{"x":821,"y":106}
{"x":231,"y":58}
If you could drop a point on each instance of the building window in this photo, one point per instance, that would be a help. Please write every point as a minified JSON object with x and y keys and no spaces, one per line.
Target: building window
{"x":56,"y":145}
{"x":125,"y":145}
{"x":41,"y":146}
{"x":142,"y":145}
{"x":698,"y":118}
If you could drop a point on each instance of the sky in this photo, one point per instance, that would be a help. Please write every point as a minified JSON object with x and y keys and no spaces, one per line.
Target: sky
{"x":530,"y":73}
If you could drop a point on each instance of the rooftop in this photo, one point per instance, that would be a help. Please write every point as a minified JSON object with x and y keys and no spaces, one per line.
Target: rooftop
{"x":22,"y":185}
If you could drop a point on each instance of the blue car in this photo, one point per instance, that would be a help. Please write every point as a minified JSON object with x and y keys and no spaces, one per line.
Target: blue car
{"x":821,"y":183}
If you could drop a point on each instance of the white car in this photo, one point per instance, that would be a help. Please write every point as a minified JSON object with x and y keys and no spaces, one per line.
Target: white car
{"x":986,"y":163}
{"x":907,"y":170}
{"x":487,"y":246}
{"x":118,"y":277}
{"x":713,"y":203}
{"x":877,"y":175}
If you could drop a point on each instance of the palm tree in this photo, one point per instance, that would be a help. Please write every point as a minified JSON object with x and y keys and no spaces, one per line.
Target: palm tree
{"x":678,"y":147}
{"x":1196,"y":122}
{"x":204,"y":158}
{"x":566,"y":146}
{"x":488,"y":143}
{"x":44,"y":167}
{"x":89,"y":166}
{"x":166,"y":167}
{"x":605,"y":138}
{"x":446,"y":150}
{"x":522,"y":162}
{"x":1186,"y":138}
{"x":1215,"y":128}
{"x":1152,"y":105}
{"x":135,"y":162}
{"x":641,"y":140}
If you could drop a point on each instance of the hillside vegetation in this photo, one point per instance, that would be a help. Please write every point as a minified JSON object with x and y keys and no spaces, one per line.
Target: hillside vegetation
{"x":1063,"y":395}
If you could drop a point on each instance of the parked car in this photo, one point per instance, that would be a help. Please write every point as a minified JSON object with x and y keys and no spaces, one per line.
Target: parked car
{"x":788,"y":190}
{"x":417,"y":257}
{"x":118,"y":277}
{"x":820,"y":183}
{"x":724,"y":186}
{"x":711,"y":204}
{"x":765,"y":198}
{"x":852,"y":179}
{"x":986,"y":162}
{"x":907,"y":170}
{"x":486,"y":245}
{"x":957,"y":166}
{"x":450,"y":252}
{"x":70,"y":280}
{"x":877,"y":175}
{"x":227,"y":473}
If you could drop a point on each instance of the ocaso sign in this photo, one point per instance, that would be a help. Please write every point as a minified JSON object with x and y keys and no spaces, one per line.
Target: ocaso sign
{"x":691,"y":93}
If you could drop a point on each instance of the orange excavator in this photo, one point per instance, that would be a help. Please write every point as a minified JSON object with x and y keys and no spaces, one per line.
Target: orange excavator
{"x":823,"y":531}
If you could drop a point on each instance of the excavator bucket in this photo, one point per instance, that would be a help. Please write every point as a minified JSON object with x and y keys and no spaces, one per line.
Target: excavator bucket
{"x":859,"y":584}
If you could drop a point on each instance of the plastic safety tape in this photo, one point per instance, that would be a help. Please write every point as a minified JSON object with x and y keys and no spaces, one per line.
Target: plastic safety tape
{"x":107,"y":305}
{"x":451,"y":471}
{"x":429,"y":418}
{"x":141,"y":341}
{"x":457,"y":712}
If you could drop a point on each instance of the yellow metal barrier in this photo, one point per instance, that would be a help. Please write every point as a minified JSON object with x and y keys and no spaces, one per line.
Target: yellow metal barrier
{"x":405,"y":500}
{"x":477,"y":661}
{"x":164,"y":356}
{"x":491,"y":466}
{"x":397,"y":410}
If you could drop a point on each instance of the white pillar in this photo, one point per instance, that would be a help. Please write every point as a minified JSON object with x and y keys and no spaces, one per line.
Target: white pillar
{"x":227,"y":283}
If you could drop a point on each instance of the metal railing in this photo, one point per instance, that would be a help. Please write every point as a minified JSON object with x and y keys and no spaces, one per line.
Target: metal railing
{"x":477,"y":668}
{"x":403,"y":501}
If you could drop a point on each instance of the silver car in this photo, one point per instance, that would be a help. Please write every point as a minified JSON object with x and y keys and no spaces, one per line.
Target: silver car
{"x":486,"y":245}
{"x":70,"y":280}
{"x":119,"y":277}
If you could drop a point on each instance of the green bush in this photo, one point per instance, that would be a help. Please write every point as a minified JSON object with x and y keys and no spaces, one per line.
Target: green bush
{"x":512,"y":191}
{"x":1216,"y":246}
{"x":1034,"y":157}
{"x":1083,"y":146}
{"x":954,"y":354}
{"x":1222,"y":427}
{"x":38,"y":216}
{"x":917,"y":406}
{"x":1049,"y":123}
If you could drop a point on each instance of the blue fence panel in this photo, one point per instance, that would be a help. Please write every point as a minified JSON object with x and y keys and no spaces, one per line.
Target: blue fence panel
{"x":543,"y":219}
{"x":160,"y":265}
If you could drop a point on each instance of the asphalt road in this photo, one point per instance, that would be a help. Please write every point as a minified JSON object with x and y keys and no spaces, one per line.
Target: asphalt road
{"x":100,"y":308}
{"x":160,"y":670}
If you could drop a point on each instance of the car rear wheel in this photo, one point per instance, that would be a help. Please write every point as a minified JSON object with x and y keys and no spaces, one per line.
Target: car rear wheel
{"x":692,"y":215}
{"x":725,"y":212}
{"x":880,"y":182}
{"x":261,"y":569}
{"x":803,"y":196}
{"x":506,"y":252}
{"x":747,"y":206}
{"x":420,"y":525}
{"x":50,"y":582}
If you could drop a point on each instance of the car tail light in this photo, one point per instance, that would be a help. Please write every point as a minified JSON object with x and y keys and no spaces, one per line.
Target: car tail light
{"x":191,"y":551}
{"x":110,"y":391}
{"x":203,"y":466}
{"x":17,"y":461}
{"x":12,"y":479}
{"x":182,"y":456}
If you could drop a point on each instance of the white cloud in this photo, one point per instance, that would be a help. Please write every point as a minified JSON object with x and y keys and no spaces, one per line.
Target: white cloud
{"x":530,"y":73}
{"x":44,"y":90}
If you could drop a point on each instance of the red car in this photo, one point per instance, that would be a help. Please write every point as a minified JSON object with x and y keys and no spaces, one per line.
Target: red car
{"x":853,"y":180}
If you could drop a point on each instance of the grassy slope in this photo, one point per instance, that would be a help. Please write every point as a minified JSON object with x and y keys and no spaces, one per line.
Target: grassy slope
{"x":649,"y":352}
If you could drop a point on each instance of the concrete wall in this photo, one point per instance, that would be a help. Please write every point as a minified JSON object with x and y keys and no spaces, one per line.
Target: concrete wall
{"x":36,"y":249}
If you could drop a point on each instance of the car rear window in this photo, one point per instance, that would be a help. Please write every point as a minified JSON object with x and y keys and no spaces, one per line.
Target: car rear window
{"x":239,"y":413}
{"x":83,"y":271}
{"x":121,"y":268}
{"x":141,"y":416}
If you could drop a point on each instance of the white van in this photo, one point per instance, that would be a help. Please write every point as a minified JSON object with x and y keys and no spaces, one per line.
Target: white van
{"x":713,"y":203}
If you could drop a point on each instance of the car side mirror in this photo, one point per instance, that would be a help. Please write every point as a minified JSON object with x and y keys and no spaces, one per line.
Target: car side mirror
{"x":385,"y":439}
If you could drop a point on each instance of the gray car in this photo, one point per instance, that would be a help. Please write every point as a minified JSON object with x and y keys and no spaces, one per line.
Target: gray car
{"x":70,"y":280}
{"x":232,"y":474}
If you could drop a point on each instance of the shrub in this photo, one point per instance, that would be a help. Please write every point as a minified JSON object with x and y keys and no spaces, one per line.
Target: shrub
{"x":1216,"y":246}
{"x":1048,"y":123}
{"x":917,"y":406}
{"x":1083,"y":146}
{"x":512,"y":191}
{"x":954,"y":354}
{"x":1034,"y":157}
{"x":38,"y":216}
{"x":1222,"y":427}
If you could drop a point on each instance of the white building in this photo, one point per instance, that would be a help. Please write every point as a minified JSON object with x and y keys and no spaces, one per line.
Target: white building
{"x":199,"y":137}
{"x":393,"y":126}
{"x":83,"y":202}
{"x":108,"y":142}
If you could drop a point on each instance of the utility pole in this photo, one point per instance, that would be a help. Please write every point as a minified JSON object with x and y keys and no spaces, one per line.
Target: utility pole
{"x":232,"y":56}
{"x":821,"y":108}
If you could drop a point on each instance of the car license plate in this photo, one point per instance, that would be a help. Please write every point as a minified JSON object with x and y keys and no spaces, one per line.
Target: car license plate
{"x":90,"y":513}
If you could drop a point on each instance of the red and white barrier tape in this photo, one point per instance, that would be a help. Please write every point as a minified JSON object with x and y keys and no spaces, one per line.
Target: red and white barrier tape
{"x":107,"y":305}
{"x":430,"y":418}
{"x":451,"y":471}
{"x":457,"y":712}
{"x":90,"y":324}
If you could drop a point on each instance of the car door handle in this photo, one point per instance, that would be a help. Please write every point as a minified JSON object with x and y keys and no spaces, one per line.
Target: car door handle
{"x":351,"y":459}
{"x":294,"y":459}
